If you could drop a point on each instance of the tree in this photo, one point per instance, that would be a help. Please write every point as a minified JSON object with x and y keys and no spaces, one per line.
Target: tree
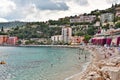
{"x":90,"y":31}
{"x":117,"y":25}
{"x":16,"y":28}
{"x":106,"y":26}
{"x":19,"y":42}
{"x":2,"y":29}
{"x":87,"y":38}
{"x":79,"y":33}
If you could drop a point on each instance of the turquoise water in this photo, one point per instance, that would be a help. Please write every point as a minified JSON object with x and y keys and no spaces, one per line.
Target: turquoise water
{"x":40,"y":63}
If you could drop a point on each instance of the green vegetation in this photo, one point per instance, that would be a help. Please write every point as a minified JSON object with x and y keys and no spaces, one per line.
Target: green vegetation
{"x":12,"y":24}
{"x":2,"y":32}
{"x":117,"y":25}
{"x":2,"y":29}
{"x":34,"y":30}
{"x":106,"y":27}
{"x":61,"y":21}
{"x":87,"y":38}
{"x":91,"y":30}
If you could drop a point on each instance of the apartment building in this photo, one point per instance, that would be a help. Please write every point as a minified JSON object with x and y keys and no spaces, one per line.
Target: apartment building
{"x":83,"y":18}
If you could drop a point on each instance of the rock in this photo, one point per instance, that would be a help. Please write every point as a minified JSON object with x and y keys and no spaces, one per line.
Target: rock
{"x":100,"y":78}
{"x":111,"y":72}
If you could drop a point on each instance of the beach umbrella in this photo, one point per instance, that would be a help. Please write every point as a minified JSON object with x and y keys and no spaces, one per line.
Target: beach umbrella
{"x":108,"y":41}
{"x":104,"y":41}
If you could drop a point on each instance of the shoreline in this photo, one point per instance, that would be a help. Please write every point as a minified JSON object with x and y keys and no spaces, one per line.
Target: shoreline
{"x":56,"y":46}
{"x":102,"y":64}
{"x":84,"y":67}
{"x":77,"y":74}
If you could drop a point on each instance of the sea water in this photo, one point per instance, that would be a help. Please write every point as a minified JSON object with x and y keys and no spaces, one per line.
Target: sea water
{"x":40,"y":63}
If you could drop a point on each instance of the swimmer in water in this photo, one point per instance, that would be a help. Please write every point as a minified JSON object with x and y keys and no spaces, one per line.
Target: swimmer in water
{"x":79,"y":58}
{"x":85,"y":56}
{"x":51,"y":65}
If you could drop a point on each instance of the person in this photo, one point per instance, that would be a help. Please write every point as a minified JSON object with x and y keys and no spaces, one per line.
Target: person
{"x":105,"y":45}
{"x":85,"y":56}
{"x":79,"y":58}
{"x":51,"y":65}
{"x":119,"y":50}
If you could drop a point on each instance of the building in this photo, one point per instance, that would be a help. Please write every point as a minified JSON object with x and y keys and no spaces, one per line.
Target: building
{"x":56,"y":38}
{"x":110,"y":37}
{"x":117,"y":9}
{"x":76,"y":40}
{"x":3,"y":39}
{"x":12,"y":40}
{"x":83,"y":18}
{"x":97,"y":24}
{"x":66,"y":34}
{"x":107,"y":18}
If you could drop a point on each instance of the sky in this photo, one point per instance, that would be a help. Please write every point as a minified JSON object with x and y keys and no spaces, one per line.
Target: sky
{"x":43,"y":10}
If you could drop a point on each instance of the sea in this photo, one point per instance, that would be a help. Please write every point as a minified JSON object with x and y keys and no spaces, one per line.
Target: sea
{"x":41,"y":63}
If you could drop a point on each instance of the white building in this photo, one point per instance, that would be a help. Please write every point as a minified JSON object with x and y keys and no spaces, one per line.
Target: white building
{"x":66,"y":34}
{"x":82,"y":18}
{"x":118,"y":11}
{"x":56,"y":38}
{"x":97,"y":24}
{"x":107,"y":18}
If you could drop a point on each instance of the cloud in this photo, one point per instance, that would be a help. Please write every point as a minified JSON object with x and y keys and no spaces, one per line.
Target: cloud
{"x":42,"y":10}
{"x":51,"y":5}
{"x":43,"y":4}
{"x":6,"y":7}
{"x":112,"y":1}
{"x":31,"y":11}
{"x":78,"y":2}
{"x":3,"y":20}
{"x":82,"y":2}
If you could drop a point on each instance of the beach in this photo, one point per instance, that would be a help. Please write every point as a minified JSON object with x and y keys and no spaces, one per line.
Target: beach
{"x":104,"y":64}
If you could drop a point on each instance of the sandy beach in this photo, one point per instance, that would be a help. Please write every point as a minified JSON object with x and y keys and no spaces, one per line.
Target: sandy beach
{"x":104,"y":64}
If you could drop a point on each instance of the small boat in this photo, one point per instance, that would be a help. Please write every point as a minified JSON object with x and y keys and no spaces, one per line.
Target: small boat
{"x":2,"y":62}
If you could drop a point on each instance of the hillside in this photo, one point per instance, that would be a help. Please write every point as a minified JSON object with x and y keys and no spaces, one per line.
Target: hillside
{"x":12,"y":24}
{"x":34,"y":30}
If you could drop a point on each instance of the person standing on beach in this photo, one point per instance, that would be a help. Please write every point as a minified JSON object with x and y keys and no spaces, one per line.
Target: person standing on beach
{"x":85,"y":57}
{"x":119,"y":50}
